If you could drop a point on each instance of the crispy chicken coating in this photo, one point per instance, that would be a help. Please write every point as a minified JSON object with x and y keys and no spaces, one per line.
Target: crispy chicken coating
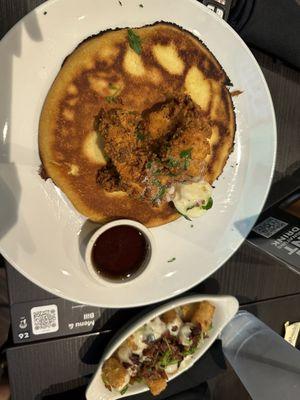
{"x":161,"y":120}
{"x":124,"y":146}
{"x":203,"y":315}
{"x":151,"y":152}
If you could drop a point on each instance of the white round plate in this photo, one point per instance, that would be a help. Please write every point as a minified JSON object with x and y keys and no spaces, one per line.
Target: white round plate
{"x":226,"y":308}
{"x":40,"y":232}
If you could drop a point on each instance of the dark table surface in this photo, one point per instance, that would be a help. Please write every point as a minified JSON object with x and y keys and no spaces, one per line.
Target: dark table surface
{"x":260,"y":282}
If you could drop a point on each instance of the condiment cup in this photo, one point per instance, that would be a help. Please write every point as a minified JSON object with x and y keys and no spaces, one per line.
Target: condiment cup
{"x":136,"y":275}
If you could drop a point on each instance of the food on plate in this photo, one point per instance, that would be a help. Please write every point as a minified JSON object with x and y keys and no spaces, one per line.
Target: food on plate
{"x":138,"y":124}
{"x":159,"y":349}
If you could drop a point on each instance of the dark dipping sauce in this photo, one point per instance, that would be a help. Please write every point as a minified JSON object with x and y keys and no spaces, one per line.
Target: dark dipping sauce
{"x":120,"y":252}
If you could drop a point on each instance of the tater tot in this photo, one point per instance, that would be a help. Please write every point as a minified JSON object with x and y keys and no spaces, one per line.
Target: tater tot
{"x":114,"y":375}
{"x":130,"y":342}
{"x":187,"y":311}
{"x":156,"y":386}
{"x":203,"y":315}
{"x":169,"y":316}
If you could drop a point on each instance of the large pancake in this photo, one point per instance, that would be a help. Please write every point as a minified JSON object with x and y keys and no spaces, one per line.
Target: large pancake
{"x":172,"y":61}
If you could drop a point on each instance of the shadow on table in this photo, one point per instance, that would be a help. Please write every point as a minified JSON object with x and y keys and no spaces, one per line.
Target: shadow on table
{"x":10,"y":187}
{"x":60,"y":391}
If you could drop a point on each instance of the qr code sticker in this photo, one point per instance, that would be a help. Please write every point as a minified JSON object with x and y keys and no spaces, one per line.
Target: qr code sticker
{"x":44,"y":319}
{"x":269,"y":227}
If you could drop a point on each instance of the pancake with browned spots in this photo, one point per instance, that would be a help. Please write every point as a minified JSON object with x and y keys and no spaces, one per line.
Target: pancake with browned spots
{"x":104,"y":71}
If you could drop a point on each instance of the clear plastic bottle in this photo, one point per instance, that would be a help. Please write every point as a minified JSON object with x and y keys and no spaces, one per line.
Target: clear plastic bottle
{"x":267,"y":365}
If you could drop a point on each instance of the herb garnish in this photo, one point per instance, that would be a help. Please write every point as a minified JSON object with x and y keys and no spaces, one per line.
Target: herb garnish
{"x":186,"y":155}
{"x":172,"y":162}
{"x":134,"y":41}
{"x":115,"y":92}
{"x":161,"y":192}
{"x":124,"y":390}
{"x":167,"y":359}
{"x":191,"y":207}
{"x":172,"y":259}
{"x":189,"y":351}
{"x":209,"y":204}
{"x":185,"y":216}
{"x":148,"y":164}
{"x":110,"y":99}
{"x":141,"y":5}
{"x":156,"y":182}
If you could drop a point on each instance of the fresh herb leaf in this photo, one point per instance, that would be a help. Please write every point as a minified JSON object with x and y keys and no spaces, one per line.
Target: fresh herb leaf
{"x":134,"y":41}
{"x":157,"y":172}
{"x":156,"y":182}
{"x":172,"y":259}
{"x":186,"y":153}
{"x":172,"y":162}
{"x":209,"y":204}
{"x":148,"y":164}
{"x":189,"y":351}
{"x":191,"y":207}
{"x":111,"y":99}
{"x":186,"y":164}
{"x":163,"y":362}
{"x":124,"y":390}
{"x":185,"y":216}
{"x":167,"y":358}
{"x":161,"y":192}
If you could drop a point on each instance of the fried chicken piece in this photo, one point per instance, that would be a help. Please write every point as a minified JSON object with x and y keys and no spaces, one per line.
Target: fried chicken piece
{"x":126,"y":147}
{"x":161,"y":119}
{"x":203,"y":315}
{"x":114,"y":375}
{"x":165,"y":145}
{"x":185,"y":153}
{"x":109,"y":178}
{"x":156,"y":386}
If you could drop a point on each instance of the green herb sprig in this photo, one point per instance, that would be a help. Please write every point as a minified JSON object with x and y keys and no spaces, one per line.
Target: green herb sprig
{"x":134,"y":41}
{"x":124,"y":390}
{"x":209,"y":204}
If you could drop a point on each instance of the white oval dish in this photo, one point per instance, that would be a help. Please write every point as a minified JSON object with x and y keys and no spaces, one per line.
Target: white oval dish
{"x":40,"y":230}
{"x":226,"y":308}
{"x":150,"y":257}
